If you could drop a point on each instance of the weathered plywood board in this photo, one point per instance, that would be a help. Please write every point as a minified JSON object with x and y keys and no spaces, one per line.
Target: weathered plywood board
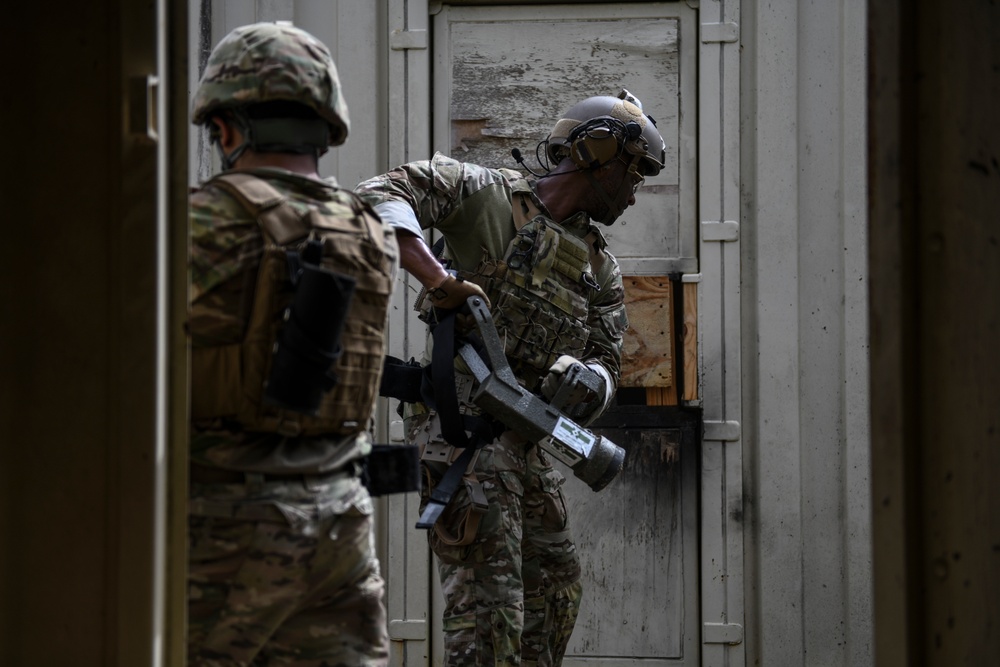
{"x":690,"y":335}
{"x":647,"y":357}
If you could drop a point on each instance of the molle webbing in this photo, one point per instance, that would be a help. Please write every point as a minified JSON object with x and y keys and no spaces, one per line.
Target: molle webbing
{"x":540,"y":294}
{"x":228,"y":381}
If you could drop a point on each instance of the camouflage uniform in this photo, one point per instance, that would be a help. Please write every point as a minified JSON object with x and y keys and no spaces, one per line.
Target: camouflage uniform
{"x":512,"y":594}
{"x":282,"y":565}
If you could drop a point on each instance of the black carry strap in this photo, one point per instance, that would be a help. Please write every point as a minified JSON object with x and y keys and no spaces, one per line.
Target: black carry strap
{"x":453,"y":424}
{"x":443,"y":381}
{"x":434,"y":385}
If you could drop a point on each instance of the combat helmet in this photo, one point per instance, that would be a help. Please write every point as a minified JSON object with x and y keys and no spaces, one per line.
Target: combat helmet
{"x":265,"y":63}
{"x":599,"y":129}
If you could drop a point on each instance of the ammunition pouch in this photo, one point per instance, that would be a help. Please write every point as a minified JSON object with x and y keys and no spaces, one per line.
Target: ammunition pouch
{"x":468,"y":527}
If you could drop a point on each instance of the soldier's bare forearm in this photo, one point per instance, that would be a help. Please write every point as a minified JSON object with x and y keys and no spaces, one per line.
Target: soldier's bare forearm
{"x":416,"y":258}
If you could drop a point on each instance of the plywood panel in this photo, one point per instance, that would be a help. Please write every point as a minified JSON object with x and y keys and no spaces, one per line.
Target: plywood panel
{"x":647,"y":357}
{"x":690,"y":345}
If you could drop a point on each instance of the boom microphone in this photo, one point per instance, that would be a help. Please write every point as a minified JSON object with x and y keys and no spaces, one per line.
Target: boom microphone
{"x":516,"y":154}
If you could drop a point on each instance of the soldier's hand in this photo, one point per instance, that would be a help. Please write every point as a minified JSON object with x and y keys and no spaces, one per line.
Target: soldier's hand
{"x":557,"y":375}
{"x":453,"y":292}
{"x":581,"y":394}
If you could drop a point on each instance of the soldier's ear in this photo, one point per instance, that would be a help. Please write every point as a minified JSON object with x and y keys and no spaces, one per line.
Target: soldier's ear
{"x":225,"y":132}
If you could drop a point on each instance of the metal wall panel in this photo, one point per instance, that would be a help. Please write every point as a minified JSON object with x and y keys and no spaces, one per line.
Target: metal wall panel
{"x":348,"y":28}
{"x":501,"y":77}
{"x":805,"y":342}
{"x":779,"y":273}
{"x":722,"y":460}
{"x":506,"y":74}
{"x":403,"y":107}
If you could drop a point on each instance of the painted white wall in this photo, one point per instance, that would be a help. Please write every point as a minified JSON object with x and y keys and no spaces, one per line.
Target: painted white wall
{"x":805,"y":332}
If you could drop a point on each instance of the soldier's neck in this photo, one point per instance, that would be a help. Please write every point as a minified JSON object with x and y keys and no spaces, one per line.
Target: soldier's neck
{"x":560,"y":194}
{"x":305,"y":165}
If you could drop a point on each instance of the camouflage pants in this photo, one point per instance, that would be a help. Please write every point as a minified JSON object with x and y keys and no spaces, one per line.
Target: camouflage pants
{"x":284,"y":574}
{"x":513,"y":593}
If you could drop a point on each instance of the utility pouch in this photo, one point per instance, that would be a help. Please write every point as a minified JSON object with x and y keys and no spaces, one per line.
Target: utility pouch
{"x":392,"y":469}
{"x":309,"y":343}
{"x":468,"y":525}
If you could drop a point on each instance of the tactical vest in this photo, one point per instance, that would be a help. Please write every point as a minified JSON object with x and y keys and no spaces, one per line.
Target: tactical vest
{"x":540,"y":292}
{"x":228,"y":380}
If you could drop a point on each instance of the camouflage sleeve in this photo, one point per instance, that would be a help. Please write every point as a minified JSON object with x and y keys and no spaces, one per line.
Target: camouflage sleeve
{"x":432,"y":188}
{"x":607,"y":320}
{"x":225,"y":245}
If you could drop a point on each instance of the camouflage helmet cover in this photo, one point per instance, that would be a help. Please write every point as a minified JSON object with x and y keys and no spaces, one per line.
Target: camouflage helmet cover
{"x":265,"y":62}
{"x":648,"y":146}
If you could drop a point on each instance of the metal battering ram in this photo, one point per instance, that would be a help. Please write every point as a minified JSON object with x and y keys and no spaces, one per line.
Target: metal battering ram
{"x":592,"y":458}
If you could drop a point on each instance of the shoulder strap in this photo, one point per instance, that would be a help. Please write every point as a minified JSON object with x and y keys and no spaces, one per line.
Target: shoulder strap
{"x":595,"y":244}
{"x":276,"y":216}
{"x":524,"y":209}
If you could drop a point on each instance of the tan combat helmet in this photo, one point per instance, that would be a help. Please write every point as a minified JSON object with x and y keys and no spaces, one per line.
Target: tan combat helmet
{"x":598,"y":129}
{"x":274,"y":62}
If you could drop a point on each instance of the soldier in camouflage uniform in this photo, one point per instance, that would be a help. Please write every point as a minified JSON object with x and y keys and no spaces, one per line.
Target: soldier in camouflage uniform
{"x":282,"y":568}
{"x":508,"y":565}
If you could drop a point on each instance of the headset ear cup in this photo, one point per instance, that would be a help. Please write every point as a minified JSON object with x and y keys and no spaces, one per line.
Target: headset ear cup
{"x":590,"y":152}
{"x":580,"y":152}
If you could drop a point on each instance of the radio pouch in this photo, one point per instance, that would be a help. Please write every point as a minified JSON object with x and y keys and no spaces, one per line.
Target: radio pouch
{"x":309,"y":342}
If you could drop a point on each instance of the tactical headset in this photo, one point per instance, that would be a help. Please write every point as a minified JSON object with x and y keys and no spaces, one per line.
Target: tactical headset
{"x":598,"y":141}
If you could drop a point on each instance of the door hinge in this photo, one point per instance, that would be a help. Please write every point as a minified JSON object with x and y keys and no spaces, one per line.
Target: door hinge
{"x":400,"y":630}
{"x":400,"y":40}
{"x":713,"y":230}
{"x":721,"y":431}
{"x":722,"y":633}
{"x":720,"y":32}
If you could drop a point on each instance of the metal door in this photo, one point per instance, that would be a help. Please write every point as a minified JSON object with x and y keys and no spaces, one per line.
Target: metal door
{"x":500,"y":77}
